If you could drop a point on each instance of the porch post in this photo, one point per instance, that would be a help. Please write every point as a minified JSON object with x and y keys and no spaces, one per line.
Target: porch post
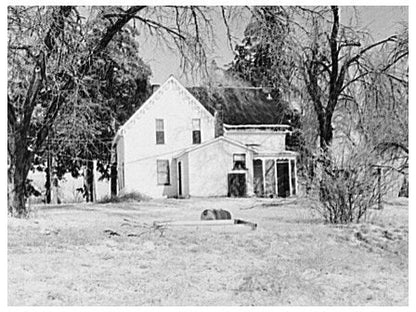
{"x":264,"y":175}
{"x":296,"y":177}
{"x":275,"y":177}
{"x":290,"y":177}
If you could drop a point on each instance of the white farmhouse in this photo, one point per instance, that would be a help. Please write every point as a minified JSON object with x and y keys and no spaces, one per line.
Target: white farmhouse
{"x":175,"y":146}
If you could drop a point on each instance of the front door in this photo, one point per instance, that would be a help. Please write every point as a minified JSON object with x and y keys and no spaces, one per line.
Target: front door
{"x":258,"y":177}
{"x":237,"y":185}
{"x":270,"y":178}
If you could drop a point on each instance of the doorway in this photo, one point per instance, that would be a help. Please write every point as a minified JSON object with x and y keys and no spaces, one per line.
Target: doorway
{"x":237,"y":185}
{"x":283,"y":187}
{"x":180,"y":179}
{"x":258,"y":177}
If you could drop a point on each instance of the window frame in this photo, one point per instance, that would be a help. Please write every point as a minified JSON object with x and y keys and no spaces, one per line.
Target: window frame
{"x":235,"y":162}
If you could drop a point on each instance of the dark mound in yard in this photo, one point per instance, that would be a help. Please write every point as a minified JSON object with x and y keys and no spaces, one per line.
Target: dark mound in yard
{"x":215,"y":214}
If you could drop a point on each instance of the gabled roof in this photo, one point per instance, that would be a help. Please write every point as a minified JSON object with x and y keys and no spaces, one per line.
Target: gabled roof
{"x":218,"y":139}
{"x":240,"y":106}
{"x":152,"y":99}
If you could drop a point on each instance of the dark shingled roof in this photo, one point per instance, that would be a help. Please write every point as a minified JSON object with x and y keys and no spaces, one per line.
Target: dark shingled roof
{"x":244,"y":106}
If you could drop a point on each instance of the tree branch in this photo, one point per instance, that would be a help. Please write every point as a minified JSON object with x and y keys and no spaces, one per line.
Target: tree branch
{"x":196,"y":23}
{"x":396,"y":59}
{"x":32,"y":92}
{"x":50,"y":116}
{"x":333,"y":44}
{"x":26,"y":48}
{"x":154,"y":24}
{"x":11,"y":114}
{"x":402,"y":81}
{"x":113,"y":29}
{"x":384,"y":146}
{"x":354,"y":80}
{"x":363,"y":51}
{"x":60,"y":98}
{"x":109,"y":34}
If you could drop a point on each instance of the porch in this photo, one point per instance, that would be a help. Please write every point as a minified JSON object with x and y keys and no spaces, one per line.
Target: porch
{"x":274,"y":174}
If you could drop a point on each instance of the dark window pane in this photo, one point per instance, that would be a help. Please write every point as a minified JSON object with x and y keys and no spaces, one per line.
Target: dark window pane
{"x":160,"y":137}
{"x":160,"y":131}
{"x":196,"y":137}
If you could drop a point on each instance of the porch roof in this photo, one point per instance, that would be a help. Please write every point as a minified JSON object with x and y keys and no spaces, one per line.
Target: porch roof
{"x":275,"y":154}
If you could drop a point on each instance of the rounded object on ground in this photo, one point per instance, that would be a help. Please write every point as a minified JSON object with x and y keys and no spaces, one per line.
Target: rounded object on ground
{"x":215,"y":214}
{"x":208,"y":214}
{"x":222,"y":214}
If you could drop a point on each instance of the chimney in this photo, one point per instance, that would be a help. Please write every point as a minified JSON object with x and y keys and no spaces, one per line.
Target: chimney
{"x":155,"y":87}
{"x":218,"y":121}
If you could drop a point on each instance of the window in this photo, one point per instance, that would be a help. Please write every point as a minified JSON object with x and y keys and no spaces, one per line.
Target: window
{"x":196,"y":131}
{"x":160,"y":131}
{"x":163,"y":172}
{"x":239,"y":161}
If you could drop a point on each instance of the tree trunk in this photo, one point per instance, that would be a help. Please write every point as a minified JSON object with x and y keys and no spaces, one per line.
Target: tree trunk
{"x":404,"y":190}
{"x":20,"y":157}
{"x":113,"y":179}
{"x":17,"y":175}
{"x":89,"y":181}
{"x":325,"y":132}
{"x":48,"y":183}
{"x":20,"y":160}
{"x":18,"y":202}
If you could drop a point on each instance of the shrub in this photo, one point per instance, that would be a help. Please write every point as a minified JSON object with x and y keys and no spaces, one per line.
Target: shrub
{"x":126,"y":197}
{"x":346,"y":191}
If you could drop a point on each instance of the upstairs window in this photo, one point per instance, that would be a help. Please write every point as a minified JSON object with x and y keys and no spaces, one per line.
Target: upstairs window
{"x":160,"y":131}
{"x":163,"y":176}
{"x":196,"y":131}
{"x":239,"y":161}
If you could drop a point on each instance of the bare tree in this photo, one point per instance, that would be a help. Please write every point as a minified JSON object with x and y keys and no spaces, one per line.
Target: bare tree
{"x":51,"y":51}
{"x":343,"y":86}
{"x":331,"y":63}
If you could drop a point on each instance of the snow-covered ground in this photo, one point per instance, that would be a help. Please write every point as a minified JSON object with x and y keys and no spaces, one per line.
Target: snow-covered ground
{"x":66,"y":255}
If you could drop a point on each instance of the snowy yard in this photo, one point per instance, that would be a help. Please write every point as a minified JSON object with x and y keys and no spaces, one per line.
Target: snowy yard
{"x":63,"y":256}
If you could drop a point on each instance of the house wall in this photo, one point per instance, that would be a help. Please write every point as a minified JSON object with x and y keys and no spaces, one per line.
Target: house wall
{"x":142,"y":177}
{"x":177,"y":108}
{"x":272,"y":141}
{"x":120,"y":164}
{"x":209,"y":168}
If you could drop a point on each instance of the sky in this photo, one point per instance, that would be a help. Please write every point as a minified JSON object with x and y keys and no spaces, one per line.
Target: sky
{"x":381,"y":22}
